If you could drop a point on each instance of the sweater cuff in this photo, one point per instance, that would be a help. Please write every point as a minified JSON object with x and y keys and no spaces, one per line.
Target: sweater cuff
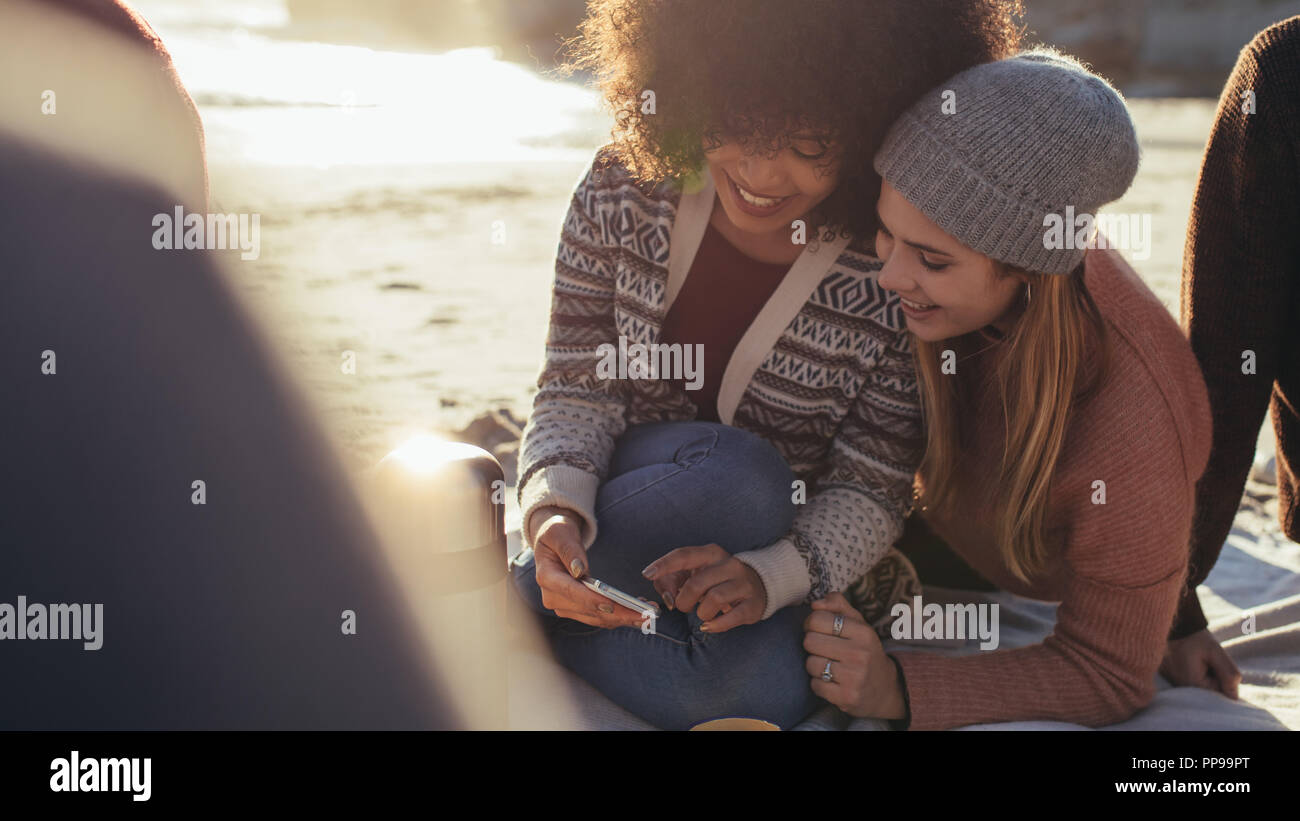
{"x":560,"y":486}
{"x":906,"y":721}
{"x":1190,"y":618}
{"x":913,"y":667}
{"x":783,"y":571}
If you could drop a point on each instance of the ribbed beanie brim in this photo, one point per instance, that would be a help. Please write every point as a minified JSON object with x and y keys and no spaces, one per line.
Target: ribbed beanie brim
{"x":1012,"y":143}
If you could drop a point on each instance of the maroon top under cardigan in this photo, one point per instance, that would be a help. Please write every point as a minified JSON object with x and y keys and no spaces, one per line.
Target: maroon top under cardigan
{"x":719,"y":300}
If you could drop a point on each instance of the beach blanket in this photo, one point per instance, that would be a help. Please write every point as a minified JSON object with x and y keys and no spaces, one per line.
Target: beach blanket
{"x":1252,"y":601}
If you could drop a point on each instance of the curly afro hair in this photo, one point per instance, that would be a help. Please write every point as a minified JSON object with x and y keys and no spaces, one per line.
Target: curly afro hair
{"x":758,"y":71}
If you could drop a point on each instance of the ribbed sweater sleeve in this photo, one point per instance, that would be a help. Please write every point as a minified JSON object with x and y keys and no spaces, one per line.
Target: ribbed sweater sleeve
{"x":1241,"y":271}
{"x":1124,"y":563}
{"x":569,"y":439}
{"x":855,"y":507}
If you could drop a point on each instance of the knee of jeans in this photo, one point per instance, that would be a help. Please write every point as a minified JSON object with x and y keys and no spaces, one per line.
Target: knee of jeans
{"x":769,"y":686}
{"x":756,"y":470}
{"x":747,"y":450}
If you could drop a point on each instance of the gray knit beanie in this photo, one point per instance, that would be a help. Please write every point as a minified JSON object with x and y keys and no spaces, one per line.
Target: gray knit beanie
{"x":1021,"y":138}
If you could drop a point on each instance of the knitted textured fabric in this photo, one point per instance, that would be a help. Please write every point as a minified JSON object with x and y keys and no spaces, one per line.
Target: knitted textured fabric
{"x":1241,"y":291}
{"x":995,"y":152}
{"x":1117,"y":563}
{"x":836,"y":395}
{"x":892,"y":581}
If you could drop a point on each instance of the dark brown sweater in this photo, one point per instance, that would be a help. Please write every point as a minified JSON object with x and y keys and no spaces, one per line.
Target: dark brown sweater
{"x":1241,"y":292}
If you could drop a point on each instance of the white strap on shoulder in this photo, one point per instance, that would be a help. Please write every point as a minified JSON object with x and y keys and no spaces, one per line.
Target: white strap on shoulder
{"x":689,"y":226}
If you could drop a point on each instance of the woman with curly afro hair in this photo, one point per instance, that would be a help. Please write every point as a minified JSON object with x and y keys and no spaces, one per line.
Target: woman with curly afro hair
{"x":727,"y":419}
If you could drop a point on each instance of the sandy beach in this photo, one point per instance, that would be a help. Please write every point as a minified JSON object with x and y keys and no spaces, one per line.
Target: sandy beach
{"x":446,"y":324}
{"x":406,"y":183}
{"x":425,"y":250}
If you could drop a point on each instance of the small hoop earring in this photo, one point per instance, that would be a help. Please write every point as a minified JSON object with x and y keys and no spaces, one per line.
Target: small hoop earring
{"x":1029,"y":294}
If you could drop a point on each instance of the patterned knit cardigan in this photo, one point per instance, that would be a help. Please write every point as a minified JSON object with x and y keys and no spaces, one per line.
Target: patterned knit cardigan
{"x":824,"y":373}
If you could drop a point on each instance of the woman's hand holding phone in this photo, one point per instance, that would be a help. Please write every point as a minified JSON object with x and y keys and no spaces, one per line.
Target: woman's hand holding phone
{"x":561,"y":561}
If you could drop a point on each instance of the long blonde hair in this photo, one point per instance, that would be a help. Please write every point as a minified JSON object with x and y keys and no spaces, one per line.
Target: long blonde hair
{"x":1053,"y":359}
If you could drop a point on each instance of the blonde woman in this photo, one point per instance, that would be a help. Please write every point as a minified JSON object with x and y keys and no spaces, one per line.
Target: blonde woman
{"x":1066,"y":418}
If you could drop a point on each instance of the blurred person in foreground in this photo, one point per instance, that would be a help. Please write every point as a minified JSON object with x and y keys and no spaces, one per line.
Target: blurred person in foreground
{"x":131,"y":376}
{"x":91,"y":78}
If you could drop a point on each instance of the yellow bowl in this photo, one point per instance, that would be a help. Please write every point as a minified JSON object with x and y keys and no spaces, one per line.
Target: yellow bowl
{"x":735,"y":724}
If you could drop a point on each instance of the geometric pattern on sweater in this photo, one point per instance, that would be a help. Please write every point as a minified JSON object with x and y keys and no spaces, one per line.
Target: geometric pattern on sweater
{"x":892,"y":581}
{"x":836,"y":395}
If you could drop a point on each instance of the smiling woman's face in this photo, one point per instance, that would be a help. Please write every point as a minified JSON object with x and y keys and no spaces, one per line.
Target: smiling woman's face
{"x":762,"y":195}
{"x":947,"y":289}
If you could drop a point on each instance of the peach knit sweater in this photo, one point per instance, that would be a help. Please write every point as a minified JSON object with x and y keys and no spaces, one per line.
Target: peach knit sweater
{"x":1117,"y":568}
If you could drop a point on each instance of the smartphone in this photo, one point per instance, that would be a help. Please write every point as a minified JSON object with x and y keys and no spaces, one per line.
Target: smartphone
{"x":619,"y":597}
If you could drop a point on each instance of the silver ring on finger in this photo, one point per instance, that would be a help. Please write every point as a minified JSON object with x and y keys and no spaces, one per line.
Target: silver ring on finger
{"x":839,"y":624}
{"x":826,"y":674}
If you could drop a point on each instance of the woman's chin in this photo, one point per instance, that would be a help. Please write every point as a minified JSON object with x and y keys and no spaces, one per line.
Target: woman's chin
{"x":938,"y":328}
{"x":752,"y":224}
{"x":926,"y":331}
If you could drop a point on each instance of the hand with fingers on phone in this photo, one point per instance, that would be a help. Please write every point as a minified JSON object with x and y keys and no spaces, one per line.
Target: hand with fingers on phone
{"x":561,"y":561}
{"x":722,"y":590}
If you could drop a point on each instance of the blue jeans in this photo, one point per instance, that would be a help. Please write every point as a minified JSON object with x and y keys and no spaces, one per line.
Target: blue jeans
{"x":672,"y":484}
